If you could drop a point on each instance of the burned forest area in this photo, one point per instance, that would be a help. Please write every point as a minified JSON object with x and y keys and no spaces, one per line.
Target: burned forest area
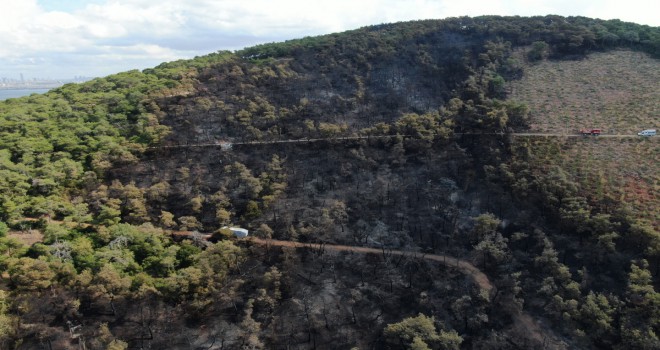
{"x":404,"y":186}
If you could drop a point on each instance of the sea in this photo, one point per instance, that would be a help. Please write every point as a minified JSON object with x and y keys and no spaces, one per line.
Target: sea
{"x":13,"y":93}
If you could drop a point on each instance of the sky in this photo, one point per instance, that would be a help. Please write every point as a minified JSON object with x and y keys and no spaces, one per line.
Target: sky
{"x":59,"y":39}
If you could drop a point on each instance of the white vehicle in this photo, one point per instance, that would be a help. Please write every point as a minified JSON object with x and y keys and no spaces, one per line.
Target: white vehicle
{"x":647,"y":132}
{"x":237,"y":231}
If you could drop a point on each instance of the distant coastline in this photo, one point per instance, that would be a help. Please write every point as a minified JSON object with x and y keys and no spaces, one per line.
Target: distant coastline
{"x":6,"y":93}
{"x":12,"y":88}
{"x":30,"y":86}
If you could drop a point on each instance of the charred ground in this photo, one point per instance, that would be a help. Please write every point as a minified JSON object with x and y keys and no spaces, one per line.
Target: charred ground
{"x":88,"y":161}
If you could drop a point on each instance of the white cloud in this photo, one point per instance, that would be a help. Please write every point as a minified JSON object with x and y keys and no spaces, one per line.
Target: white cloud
{"x":90,"y":38}
{"x":14,"y":14}
{"x":25,"y":30}
{"x":641,"y":11}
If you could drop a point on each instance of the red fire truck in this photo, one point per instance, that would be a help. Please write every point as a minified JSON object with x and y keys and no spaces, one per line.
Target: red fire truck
{"x":586,"y":132}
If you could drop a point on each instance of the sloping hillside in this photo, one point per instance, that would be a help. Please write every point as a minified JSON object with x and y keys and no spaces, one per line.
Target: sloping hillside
{"x":394,"y":137}
{"x":616,"y":91}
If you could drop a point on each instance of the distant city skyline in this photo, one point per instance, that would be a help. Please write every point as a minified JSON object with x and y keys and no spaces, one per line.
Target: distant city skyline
{"x":57,"y":39}
{"x":28,"y":79}
{"x":37,"y":83}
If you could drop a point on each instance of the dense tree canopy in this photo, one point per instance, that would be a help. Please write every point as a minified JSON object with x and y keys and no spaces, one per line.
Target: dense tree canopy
{"x":129,"y":182}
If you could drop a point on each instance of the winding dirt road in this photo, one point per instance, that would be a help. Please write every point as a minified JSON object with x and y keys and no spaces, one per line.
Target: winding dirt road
{"x":461,"y":265}
{"x":523,"y":322}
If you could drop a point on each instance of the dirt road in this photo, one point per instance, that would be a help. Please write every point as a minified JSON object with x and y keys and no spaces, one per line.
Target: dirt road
{"x":461,"y":265}
{"x":523,"y":322}
{"x":348,"y":138}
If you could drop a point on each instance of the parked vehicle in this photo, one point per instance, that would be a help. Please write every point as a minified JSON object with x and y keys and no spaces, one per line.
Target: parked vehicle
{"x":647,"y":132}
{"x":594,"y":132}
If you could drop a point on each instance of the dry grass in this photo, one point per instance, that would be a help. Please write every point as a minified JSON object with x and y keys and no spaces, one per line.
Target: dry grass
{"x":617,"y":91}
{"x":28,"y":237}
{"x":623,"y":171}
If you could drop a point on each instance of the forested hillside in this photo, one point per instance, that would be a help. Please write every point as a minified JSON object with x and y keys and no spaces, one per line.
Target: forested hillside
{"x":415,"y":136}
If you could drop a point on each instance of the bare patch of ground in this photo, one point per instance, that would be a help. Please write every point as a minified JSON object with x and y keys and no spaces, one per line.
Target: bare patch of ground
{"x":28,"y":237}
{"x":616,"y":91}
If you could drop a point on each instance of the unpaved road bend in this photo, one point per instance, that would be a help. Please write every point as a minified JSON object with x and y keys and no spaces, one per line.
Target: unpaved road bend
{"x":461,"y":265}
{"x":523,"y":322}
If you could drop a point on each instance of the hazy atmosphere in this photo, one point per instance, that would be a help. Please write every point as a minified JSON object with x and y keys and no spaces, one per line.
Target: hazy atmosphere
{"x":65,"y":38}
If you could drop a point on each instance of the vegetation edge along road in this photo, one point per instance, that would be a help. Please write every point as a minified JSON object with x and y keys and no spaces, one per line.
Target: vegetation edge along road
{"x":521,"y":319}
{"x":347,"y":138}
{"x":463,"y":266}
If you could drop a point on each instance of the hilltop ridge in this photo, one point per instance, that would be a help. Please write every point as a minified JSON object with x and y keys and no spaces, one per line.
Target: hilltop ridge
{"x":411,"y":150}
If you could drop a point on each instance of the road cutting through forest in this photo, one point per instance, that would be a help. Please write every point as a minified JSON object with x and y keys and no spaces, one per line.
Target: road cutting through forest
{"x":461,"y":265}
{"x":522,"y":321}
{"x":229,"y":145}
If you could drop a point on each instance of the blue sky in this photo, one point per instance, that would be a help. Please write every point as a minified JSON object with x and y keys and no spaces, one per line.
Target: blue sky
{"x":65,"y":5}
{"x":66,"y":38}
